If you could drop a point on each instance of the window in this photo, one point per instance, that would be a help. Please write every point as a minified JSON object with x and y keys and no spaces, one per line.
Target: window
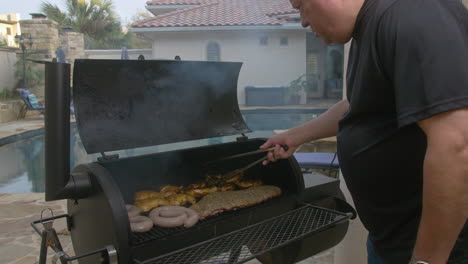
{"x":8,"y":31}
{"x":213,"y":51}
{"x":264,"y":41}
{"x":284,"y":41}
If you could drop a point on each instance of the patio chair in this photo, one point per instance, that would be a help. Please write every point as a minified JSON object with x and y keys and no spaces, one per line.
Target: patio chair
{"x":30,"y":103}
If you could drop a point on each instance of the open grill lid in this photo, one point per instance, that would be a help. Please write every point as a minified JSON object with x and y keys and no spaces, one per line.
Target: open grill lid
{"x":124,"y":104}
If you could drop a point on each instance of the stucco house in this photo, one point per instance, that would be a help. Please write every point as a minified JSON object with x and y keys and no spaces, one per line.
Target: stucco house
{"x":265,"y":35}
{"x":9,"y":28}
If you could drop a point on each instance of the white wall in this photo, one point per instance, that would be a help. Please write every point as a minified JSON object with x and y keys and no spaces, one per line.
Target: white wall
{"x":115,"y":54}
{"x":7,"y":68}
{"x":271,"y":65}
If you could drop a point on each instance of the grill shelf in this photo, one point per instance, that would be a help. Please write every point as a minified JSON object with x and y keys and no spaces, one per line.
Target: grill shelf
{"x":247,"y":243}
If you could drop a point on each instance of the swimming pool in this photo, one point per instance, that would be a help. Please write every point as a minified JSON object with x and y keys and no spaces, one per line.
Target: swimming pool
{"x":22,"y":162}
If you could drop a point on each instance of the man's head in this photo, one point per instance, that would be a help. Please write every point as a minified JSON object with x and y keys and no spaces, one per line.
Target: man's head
{"x":332,"y":20}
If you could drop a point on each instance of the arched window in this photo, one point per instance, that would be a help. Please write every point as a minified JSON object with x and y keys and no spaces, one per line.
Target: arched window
{"x":213,"y":51}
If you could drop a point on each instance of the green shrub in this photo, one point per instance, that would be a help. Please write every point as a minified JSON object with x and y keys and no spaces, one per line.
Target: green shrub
{"x":8,"y":95}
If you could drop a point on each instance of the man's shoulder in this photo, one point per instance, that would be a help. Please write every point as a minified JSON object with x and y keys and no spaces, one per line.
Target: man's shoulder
{"x":421,"y":9}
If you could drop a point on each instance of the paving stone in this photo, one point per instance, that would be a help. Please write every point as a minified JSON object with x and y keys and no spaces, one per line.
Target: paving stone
{"x":17,"y":227}
{"x":14,"y":210}
{"x":27,"y":240}
{"x":20,"y":197}
{"x":5,"y":241}
{"x":11,"y":252}
{"x":26,"y":260}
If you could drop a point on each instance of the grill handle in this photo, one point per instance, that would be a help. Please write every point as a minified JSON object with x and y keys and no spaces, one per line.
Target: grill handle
{"x":60,"y":184}
{"x":345,"y":207}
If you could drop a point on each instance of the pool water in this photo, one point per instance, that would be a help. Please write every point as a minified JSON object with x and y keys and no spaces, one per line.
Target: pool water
{"x":22,"y":162}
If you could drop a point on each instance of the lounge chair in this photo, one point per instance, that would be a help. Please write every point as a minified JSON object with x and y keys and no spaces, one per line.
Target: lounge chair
{"x":30,"y":103}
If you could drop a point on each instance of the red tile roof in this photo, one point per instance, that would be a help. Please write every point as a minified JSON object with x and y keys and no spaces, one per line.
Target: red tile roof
{"x":219,"y":13}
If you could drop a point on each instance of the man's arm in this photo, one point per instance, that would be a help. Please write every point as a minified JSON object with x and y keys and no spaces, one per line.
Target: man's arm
{"x":326,"y":125}
{"x":445,"y":187}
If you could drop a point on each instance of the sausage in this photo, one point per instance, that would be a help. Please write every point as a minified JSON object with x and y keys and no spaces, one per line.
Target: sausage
{"x":132,"y":210}
{"x":192,"y":218}
{"x":140,"y":223}
{"x":174,"y":216}
{"x":166,"y":221}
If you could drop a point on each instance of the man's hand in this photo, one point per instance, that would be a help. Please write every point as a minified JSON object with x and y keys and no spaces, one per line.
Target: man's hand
{"x":326,"y":125}
{"x":285,"y":139}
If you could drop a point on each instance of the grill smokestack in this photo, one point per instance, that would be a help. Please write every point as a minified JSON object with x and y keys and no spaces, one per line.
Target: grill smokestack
{"x":60,"y":184}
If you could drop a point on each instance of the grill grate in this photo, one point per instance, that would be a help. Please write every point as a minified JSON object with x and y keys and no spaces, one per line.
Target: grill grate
{"x":155,"y":233}
{"x":247,"y":243}
{"x":161,"y":233}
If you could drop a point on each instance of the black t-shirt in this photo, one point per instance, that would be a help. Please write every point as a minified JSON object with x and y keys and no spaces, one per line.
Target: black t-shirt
{"x":408,"y":61}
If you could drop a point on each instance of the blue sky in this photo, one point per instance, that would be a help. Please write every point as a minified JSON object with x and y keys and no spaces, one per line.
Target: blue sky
{"x":124,"y":8}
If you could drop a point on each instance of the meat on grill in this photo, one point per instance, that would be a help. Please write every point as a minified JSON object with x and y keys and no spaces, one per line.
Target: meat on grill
{"x":249,"y":184}
{"x":218,"y":202}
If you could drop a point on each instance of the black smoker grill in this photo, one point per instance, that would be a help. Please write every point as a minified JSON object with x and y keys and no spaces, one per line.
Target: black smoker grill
{"x":129,"y":104}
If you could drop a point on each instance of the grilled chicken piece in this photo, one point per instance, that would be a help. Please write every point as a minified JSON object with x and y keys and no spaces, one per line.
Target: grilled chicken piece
{"x":141,"y":195}
{"x":218,"y":202}
{"x":213,"y":179}
{"x":167,"y":194}
{"x":249,"y":184}
{"x":197,"y":185}
{"x":147,"y":204}
{"x":201,"y":192}
{"x":233,"y":176}
{"x":171,"y":188}
{"x":227,"y":187}
{"x":181,"y":199}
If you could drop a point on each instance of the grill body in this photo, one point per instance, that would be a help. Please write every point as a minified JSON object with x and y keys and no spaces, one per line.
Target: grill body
{"x":115,"y":109}
{"x":101,"y":220}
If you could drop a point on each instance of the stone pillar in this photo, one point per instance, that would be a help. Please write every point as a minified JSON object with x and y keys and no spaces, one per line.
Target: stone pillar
{"x":44,"y":35}
{"x":72,"y":44}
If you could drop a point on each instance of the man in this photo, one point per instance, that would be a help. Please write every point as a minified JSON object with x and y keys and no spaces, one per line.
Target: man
{"x":403,"y":130}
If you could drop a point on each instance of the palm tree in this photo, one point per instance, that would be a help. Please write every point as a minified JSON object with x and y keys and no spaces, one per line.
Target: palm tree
{"x":94,"y":18}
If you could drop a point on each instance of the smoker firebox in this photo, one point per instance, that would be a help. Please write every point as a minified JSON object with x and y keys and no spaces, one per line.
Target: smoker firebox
{"x":130,"y":104}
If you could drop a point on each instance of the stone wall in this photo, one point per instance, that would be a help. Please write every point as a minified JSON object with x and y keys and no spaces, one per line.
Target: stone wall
{"x":9,"y":111}
{"x":8,"y":61}
{"x":46,"y":38}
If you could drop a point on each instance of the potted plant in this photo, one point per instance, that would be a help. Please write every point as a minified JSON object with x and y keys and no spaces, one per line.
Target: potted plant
{"x":304,"y":83}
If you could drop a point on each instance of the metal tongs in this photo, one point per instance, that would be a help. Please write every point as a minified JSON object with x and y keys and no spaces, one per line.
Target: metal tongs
{"x":241,"y":155}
